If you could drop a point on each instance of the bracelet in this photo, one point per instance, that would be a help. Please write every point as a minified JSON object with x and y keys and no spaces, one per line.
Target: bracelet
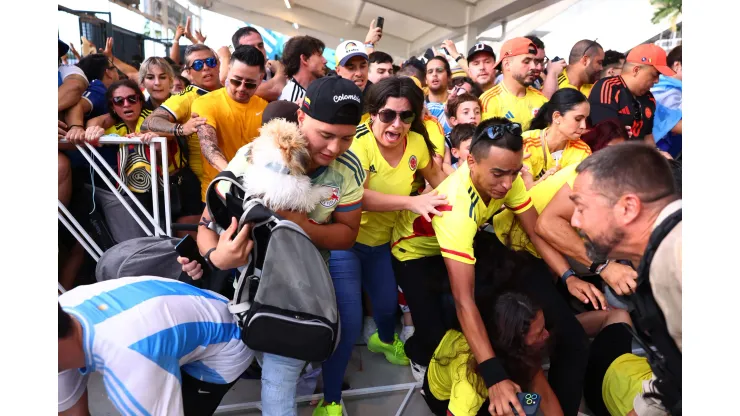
{"x":568,"y":273}
{"x":370,"y":45}
{"x":75,"y":125}
{"x":459,"y":57}
{"x":492,"y":372}
{"x":207,"y":258}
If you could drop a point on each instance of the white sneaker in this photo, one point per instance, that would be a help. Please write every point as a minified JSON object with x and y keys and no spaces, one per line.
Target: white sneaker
{"x":406,"y":333}
{"x":418,"y":371}
{"x":368,"y":328}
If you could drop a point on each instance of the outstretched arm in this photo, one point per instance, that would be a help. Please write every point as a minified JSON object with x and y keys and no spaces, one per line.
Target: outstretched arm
{"x":209,"y":147}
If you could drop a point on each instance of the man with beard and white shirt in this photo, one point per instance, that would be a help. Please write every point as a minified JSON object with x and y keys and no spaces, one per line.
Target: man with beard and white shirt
{"x":304,"y":62}
{"x":514,"y":98}
{"x":481,"y":65}
{"x":585,"y":63}
{"x":438,"y":76}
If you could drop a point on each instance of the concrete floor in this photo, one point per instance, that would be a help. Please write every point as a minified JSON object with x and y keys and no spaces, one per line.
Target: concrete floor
{"x":365,"y":370}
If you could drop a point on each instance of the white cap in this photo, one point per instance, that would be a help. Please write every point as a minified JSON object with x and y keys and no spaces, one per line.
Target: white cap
{"x":349,"y":49}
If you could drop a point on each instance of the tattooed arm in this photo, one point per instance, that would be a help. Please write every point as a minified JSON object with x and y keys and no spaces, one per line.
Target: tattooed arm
{"x":159,"y":121}
{"x":209,"y":147}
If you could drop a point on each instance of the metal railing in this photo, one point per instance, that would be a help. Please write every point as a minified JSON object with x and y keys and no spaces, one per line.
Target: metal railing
{"x":74,"y":227}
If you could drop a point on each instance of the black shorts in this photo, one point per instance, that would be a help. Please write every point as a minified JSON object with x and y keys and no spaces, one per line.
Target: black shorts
{"x":612,"y":342}
{"x":200,"y":398}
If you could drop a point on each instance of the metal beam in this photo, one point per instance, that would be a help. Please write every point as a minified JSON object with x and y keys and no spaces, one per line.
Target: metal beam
{"x":359,"y":12}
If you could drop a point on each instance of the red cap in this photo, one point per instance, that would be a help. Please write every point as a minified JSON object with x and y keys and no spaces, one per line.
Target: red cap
{"x":650,"y":54}
{"x":518,"y":46}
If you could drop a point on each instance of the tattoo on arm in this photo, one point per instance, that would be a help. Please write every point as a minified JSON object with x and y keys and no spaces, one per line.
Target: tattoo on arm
{"x":160,"y":121}
{"x":209,"y":147}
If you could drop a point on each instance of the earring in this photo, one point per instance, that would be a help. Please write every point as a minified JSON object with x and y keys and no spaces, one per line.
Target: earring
{"x":557,"y":122}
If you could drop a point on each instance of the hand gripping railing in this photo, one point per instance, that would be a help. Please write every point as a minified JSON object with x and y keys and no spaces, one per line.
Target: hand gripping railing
{"x":79,"y":232}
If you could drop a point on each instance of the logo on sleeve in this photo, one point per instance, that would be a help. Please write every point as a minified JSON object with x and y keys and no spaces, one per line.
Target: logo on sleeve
{"x":413,"y":162}
{"x":333,"y":199}
{"x":648,"y":112}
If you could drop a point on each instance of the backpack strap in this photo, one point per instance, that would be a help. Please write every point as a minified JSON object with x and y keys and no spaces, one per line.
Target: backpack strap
{"x":650,"y":326}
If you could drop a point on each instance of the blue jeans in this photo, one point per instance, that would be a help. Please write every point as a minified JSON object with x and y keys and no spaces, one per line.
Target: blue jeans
{"x":352,"y":270}
{"x":279,"y":378}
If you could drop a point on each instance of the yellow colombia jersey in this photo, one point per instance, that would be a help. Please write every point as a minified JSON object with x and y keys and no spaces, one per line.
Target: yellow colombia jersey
{"x":508,"y":228}
{"x":575,"y":151}
{"x":133,"y":159}
{"x":499,"y":102}
{"x":448,"y":376}
{"x":623,"y":381}
{"x":236,"y":124}
{"x":436,"y":134}
{"x":564,"y":82}
{"x":376,"y":227}
{"x":179,"y":107}
{"x":452,"y":234}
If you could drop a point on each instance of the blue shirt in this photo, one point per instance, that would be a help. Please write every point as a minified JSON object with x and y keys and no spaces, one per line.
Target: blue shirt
{"x":95,"y":95}
{"x":668,"y":112}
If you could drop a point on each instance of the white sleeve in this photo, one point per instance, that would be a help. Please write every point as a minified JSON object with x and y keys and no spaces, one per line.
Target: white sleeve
{"x":71,"y":384}
{"x":67,"y":70}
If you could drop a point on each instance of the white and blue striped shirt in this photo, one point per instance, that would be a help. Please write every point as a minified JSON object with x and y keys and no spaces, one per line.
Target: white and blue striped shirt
{"x":140,"y":332}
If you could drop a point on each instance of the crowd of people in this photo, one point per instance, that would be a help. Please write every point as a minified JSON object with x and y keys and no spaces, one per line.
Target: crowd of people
{"x":499,"y":204}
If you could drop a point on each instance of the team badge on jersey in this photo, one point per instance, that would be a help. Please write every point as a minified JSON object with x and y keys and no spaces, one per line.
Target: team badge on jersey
{"x":333,"y":199}
{"x":648,"y":112}
{"x":413,"y":162}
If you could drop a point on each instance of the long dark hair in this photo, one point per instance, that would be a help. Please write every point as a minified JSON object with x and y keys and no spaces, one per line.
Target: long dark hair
{"x":116,"y":85}
{"x":398,"y":87}
{"x":562,"y":101}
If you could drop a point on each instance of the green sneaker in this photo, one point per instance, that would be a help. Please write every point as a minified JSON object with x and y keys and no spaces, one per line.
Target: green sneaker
{"x":394,"y":353}
{"x":333,"y":409}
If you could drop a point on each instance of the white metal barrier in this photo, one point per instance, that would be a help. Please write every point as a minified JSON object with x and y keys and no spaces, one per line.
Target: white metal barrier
{"x":74,"y":227}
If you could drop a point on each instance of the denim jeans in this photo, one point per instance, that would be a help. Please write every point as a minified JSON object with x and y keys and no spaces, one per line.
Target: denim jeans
{"x":352,"y":270}
{"x":279,"y":378}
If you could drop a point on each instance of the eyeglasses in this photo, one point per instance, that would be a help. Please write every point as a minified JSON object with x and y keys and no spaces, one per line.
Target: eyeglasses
{"x":389,"y":116}
{"x":119,"y":101}
{"x":247,"y":84}
{"x":590,"y":45}
{"x":198,"y":64}
{"x":497,"y":131}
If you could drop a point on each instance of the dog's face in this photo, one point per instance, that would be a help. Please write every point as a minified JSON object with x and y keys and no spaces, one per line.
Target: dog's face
{"x":281,"y":143}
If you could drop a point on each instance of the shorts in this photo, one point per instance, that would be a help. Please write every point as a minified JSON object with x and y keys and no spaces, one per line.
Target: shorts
{"x":612,"y":342}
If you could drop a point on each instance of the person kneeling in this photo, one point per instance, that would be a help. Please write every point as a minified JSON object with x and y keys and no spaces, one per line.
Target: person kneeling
{"x":516,"y":329}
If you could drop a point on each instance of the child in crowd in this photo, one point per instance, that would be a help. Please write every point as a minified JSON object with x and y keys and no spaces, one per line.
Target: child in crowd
{"x":460,"y":138}
{"x":461,"y":109}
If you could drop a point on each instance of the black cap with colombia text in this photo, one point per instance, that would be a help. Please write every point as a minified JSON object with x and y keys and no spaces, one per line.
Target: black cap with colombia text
{"x":333,"y":100}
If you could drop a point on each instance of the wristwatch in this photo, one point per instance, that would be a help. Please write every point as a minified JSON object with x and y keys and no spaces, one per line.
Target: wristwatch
{"x":207,"y":258}
{"x":459,"y":57}
{"x":598,"y":267}
{"x":568,"y":273}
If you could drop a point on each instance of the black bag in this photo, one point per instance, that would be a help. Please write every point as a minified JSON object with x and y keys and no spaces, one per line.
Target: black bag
{"x":650,"y":328}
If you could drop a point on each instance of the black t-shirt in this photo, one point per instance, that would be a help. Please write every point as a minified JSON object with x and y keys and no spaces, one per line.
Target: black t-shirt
{"x":610,"y":99}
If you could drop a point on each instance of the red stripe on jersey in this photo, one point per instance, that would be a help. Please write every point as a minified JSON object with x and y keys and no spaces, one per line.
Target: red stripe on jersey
{"x":517,"y":208}
{"x":457,"y":253}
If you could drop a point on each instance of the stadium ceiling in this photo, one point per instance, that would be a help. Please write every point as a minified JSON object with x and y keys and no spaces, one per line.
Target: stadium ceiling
{"x":410,"y":26}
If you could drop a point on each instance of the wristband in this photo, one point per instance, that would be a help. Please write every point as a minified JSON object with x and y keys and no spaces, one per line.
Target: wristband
{"x":568,"y":273}
{"x":492,"y":372}
{"x":595,"y":266}
{"x":369,"y":45}
{"x":459,"y":57}
{"x":207,"y":258}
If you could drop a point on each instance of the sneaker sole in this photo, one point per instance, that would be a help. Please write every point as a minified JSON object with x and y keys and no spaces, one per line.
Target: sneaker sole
{"x":389,"y":356}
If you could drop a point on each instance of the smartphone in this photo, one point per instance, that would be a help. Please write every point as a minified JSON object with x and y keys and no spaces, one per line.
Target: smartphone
{"x":530,"y":403}
{"x":188,"y":248}
{"x":445,"y":49}
{"x":555,"y":59}
{"x":379,"y":22}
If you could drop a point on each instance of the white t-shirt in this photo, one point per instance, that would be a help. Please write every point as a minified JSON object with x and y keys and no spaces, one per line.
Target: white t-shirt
{"x":67,"y":70}
{"x":141,"y":332}
{"x":292,"y":91}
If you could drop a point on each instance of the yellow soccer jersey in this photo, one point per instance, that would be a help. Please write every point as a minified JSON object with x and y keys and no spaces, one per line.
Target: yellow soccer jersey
{"x":436,"y":134}
{"x":508,"y":228}
{"x":623,"y":381}
{"x":179,"y":107}
{"x":376,"y":227}
{"x":134,"y":159}
{"x":540,"y":161}
{"x":452,"y":234}
{"x":499,"y":102}
{"x":564,"y":82}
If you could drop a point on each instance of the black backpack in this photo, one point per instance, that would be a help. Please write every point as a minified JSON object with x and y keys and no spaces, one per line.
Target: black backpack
{"x":650,"y":328}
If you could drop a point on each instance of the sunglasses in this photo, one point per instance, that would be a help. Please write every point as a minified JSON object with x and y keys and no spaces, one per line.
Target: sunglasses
{"x":118,"y":101}
{"x":497,"y":131}
{"x":389,"y":116}
{"x":247,"y":84}
{"x":590,"y":45}
{"x":198,"y":64}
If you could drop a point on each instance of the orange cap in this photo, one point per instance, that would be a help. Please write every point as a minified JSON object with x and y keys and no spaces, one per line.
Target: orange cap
{"x":516,"y":46}
{"x":650,"y":54}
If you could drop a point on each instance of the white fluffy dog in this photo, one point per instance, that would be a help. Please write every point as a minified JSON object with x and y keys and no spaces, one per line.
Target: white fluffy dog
{"x":278,"y":160}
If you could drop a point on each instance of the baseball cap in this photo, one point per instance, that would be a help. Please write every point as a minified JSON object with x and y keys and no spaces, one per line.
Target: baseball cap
{"x":280,"y":109}
{"x":650,"y":54}
{"x":63,"y":48}
{"x":348,"y":50}
{"x":515,"y":47}
{"x":333,"y":100}
{"x":480,"y":47}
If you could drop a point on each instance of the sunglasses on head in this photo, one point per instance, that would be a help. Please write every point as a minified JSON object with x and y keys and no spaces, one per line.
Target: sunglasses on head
{"x":497,"y":131}
{"x":198,"y":64}
{"x":247,"y":84}
{"x":590,"y":45}
{"x":388,"y":116}
{"x":118,"y":101}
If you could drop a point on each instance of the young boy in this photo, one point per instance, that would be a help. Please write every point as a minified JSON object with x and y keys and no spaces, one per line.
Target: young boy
{"x":461,"y":109}
{"x":460,"y":137}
